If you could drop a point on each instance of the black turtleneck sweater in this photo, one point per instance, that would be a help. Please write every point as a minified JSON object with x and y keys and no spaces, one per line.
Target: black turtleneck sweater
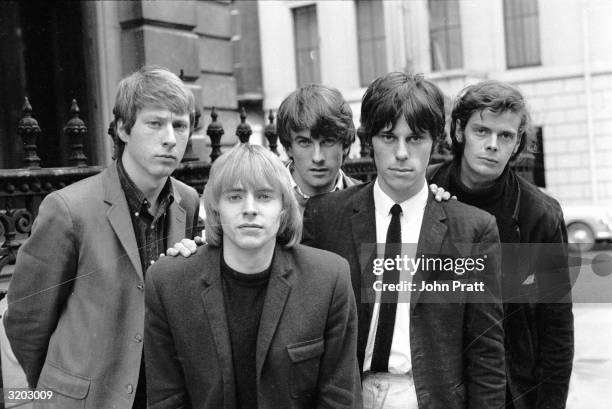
{"x":244,"y":296}
{"x":499,"y":199}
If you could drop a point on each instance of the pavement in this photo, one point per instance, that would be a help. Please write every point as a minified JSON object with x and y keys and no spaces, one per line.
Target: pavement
{"x":591,"y":383}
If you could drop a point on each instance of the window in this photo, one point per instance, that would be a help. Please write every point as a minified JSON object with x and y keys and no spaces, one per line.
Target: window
{"x":445,"y":35}
{"x":370,"y":40}
{"x":306,"y":45}
{"x":522,"y":33}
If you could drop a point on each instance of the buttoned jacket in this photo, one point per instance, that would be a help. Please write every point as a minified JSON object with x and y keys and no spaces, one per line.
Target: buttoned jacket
{"x":76,"y":300}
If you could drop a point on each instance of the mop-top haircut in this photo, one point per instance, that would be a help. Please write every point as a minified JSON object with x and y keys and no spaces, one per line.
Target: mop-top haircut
{"x":396,"y":94}
{"x":254,"y":167}
{"x":320,"y":109}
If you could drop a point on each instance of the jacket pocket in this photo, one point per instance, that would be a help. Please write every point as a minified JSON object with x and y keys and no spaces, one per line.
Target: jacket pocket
{"x":305,"y":359}
{"x":70,"y":389}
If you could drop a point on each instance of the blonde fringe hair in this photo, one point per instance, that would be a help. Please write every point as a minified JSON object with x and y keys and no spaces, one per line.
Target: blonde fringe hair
{"x":254,"y":167}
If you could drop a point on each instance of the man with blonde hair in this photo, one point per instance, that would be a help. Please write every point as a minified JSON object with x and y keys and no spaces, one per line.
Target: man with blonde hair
{"x":75,"y":318}
{"x":253,"y":319}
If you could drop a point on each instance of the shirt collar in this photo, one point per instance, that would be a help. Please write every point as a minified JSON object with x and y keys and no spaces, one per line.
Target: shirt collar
{"x":134,"y":196}
{"x":339,"y":185}
{"x":410,"y":206}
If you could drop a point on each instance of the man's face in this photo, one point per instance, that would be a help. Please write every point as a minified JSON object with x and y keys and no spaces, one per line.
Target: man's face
{"x":401,"y":157}
{"x":490,"y":139}
{"x":317,"y":161}
{"x":155,"y":145}
{"x":250,"y":218}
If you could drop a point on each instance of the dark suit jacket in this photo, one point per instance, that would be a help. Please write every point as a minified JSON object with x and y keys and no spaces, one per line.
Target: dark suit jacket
{"x":457,"y":350}
{"x":306,"y":346}
{"x":76,"y":301}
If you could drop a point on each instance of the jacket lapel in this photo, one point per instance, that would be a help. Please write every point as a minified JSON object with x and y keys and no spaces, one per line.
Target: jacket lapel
{"x":277,"y":293}
{"x":433,"y":230}
{"x":214,"y":308}
{"x":363,"y":227}
{"x":118,"y":216}
{"x":176,"y":219}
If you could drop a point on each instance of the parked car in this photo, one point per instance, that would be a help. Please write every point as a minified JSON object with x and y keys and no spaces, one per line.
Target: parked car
{"x":587,"y":225}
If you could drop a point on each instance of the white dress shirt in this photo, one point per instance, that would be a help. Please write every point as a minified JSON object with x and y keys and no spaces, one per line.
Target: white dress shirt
{"x":410,"y":220}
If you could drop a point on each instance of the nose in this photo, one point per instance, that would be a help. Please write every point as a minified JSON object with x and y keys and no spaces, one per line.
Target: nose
{"x":492,"y":143}
{"x":168,"y":136}
{"x":317,"y":154}
{"x":401,"y":153}
{"x":249,"y":207}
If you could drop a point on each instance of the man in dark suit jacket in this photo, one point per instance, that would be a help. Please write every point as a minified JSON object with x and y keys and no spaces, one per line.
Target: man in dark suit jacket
{"x":439,"y":355}
{"x":252,"y":320}
{"x":75,"y":318}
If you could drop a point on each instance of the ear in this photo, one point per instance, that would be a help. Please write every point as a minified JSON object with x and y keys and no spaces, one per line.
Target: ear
{"x":121,"y":133}
{"x":459,"y":132}
{"x":289,"y":152}
{"x":518,"y":143}
{"x":345,"y":151}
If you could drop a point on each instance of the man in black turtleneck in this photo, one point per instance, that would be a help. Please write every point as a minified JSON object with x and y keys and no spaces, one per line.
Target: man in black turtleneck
{"x":490,"y":127}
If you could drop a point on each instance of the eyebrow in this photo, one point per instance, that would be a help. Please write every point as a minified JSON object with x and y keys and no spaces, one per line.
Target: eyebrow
{"x":505,"y":130}
{"x":234,"y":190}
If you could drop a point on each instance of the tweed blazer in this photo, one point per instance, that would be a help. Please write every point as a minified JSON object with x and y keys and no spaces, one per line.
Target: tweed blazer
{"x":75,"y":319}
{"x":457,"y":348}
{"x":306,"y":345}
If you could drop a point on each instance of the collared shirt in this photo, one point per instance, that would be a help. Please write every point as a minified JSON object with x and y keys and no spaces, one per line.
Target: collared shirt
{"x":150,"y":230}
{"x":410,"y":220}
{"x":301,"y":197}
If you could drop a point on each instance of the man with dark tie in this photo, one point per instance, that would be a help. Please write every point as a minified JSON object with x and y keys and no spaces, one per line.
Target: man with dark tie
{"x":416,"y":349}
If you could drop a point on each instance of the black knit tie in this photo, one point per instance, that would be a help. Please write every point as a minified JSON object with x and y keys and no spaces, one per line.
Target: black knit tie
{"x":388,"y":302}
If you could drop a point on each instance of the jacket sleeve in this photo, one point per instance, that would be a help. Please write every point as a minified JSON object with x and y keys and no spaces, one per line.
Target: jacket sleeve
{"x":484,"y":334}
{"x":45,"y":269}
{"x":339,"y":384}
{"x":166,"y":386}
{"x":555,"y":321}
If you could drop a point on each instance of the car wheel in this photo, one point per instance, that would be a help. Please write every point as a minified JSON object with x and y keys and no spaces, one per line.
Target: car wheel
{"x":580,"y":237}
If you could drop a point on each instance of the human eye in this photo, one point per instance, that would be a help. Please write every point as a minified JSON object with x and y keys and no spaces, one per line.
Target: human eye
{"x":480,"y":131}
{"x":303,"y":142}
{"x":181,"y":126}
{"x":508,"y":136}
{"x":329,"y":142}
{"x":387,"y":137}
{"x":416,"y":138}
{"x":233,"y":196}
{"x":154,"y":123}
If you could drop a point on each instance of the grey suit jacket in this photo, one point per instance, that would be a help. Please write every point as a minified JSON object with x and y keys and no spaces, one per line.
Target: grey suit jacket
{"x":457,"y":348}
{"x":76,"y":301}
{"x":306,"y":346}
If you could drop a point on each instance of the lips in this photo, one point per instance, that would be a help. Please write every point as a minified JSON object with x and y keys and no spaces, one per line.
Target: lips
{"x":489,"y":160}
{"x":401,"y":170}
{"x":318,"y":170}
{"x":249,"y":226}
{"x":167,"y":156}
